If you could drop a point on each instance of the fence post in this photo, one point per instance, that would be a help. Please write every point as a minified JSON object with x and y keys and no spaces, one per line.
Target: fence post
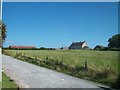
{"x":46,"y":58}
{"x":24,"y":54}
{"x":86,"y":66}
{"x":35,"y":57}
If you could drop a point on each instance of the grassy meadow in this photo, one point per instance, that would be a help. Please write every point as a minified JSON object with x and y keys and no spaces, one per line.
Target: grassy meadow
{"x":102,"y":65}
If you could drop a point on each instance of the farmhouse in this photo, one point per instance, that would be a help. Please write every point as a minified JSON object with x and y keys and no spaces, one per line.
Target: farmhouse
{"x":21,"y":47}
{"x":99,"y":47}
{"x":78,"y":45}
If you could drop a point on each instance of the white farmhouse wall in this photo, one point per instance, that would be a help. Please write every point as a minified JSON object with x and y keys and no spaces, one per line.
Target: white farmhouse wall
{"x":84,"y":44}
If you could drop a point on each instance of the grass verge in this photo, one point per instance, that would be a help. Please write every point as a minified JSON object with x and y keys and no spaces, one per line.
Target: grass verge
{"x":0,"y":85}
{"x":7,"y":83}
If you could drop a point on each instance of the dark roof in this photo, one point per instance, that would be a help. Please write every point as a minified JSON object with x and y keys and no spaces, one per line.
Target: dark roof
{"x":77,"y":43}
{"x":21,"y":47}
{"x":99,"y":46}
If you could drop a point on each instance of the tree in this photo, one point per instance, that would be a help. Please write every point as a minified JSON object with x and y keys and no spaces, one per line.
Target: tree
{"x":114,"y":41}
{"x":3,"y":32}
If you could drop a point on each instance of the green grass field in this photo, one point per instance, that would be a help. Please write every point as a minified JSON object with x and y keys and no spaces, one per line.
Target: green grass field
{"x":6,"y":83}
{"x":102,"y":65}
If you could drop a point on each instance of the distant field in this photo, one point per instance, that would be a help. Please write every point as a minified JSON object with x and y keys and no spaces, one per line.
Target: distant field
{"x":99,"y":59}
{"x":103,"y":65}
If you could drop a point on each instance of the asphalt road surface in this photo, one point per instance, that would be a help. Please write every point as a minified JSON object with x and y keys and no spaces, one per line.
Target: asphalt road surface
{"x":27,"y":75}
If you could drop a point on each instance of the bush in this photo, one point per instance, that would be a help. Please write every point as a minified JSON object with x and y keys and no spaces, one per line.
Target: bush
{"x":116,"y":85}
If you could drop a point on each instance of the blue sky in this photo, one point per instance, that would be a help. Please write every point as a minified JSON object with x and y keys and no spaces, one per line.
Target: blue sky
{"x":59,"y":24}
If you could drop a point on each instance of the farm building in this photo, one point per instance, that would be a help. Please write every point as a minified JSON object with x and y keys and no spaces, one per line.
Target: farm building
{"x":21,"y":47}
{"x":78,"y":45}
{"x":99,"y":47}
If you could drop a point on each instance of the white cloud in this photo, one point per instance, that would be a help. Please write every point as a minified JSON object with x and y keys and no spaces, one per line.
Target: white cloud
{"x":9,"y":41}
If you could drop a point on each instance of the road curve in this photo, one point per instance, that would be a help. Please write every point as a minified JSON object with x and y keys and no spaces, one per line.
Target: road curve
{"x":27,"y":75}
